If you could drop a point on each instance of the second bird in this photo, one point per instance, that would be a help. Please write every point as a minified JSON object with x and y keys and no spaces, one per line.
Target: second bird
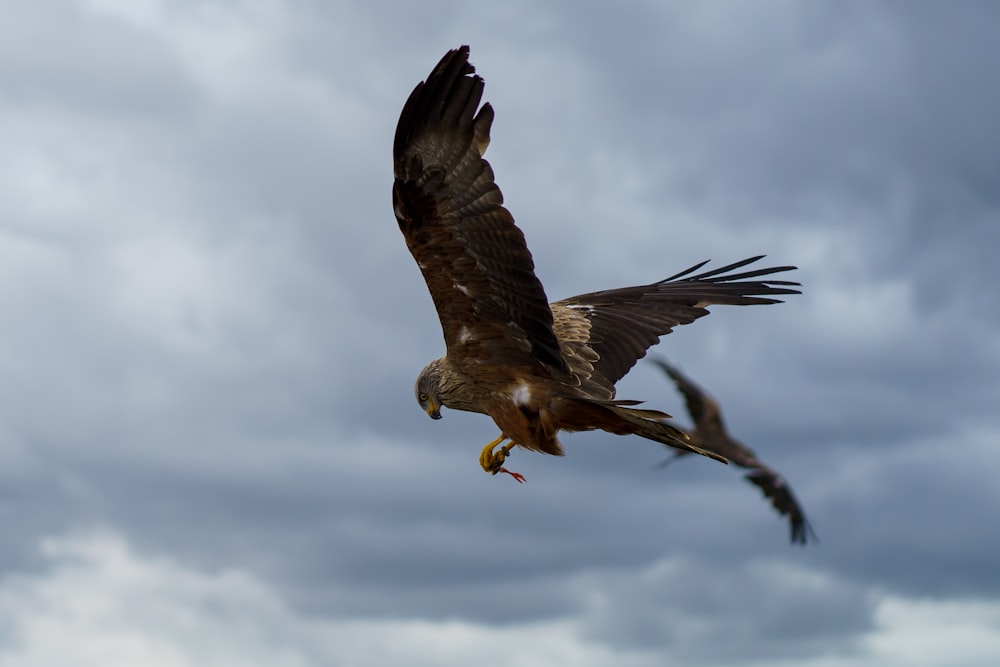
{"x":710,"y":433}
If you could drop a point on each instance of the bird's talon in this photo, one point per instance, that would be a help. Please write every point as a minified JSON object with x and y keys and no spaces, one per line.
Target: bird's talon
{"x":492,"y":461}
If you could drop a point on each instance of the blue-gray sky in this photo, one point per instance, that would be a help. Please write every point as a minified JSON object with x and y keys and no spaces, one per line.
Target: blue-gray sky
{"x":209,"y":449}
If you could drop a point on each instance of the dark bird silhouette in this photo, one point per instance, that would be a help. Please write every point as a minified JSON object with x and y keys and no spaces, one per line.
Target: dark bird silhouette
{"x":710,"y":433}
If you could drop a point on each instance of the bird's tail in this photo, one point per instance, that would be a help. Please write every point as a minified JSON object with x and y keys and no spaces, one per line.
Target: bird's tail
{"x":621,"y":418}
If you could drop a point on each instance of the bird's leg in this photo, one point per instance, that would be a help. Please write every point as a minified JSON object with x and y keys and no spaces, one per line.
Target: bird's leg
{"x":492,"y":461}
{"x":489,"y":460}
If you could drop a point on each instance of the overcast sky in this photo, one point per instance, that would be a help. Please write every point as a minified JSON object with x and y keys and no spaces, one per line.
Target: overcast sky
{"x":210,"y":454}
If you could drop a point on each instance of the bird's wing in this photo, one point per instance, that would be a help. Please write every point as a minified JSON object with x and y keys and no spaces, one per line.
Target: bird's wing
{"x":613,"y":329}
{"x":474,"y":259}
{"x":704,"y":409}
{"x":709,"y":427}
{"x":777,"y":490}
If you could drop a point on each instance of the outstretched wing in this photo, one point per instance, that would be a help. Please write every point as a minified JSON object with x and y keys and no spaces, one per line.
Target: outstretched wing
{"x":474,"y":259}
{"x":611,"y":330}
{"x":777,"y":490}
{"x":710,"y":433}
{"x":709,"y":428}
{"x":704,"y":410}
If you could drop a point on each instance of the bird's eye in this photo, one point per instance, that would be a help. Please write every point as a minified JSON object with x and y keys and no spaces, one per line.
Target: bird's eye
{"x":422,"y":397}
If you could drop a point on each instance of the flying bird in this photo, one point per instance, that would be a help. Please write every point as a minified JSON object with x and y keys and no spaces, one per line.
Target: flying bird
{"x":536,"y":368}
{"x":710,"y":433}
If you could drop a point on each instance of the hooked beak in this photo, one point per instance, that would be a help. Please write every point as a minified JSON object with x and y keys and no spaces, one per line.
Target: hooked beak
{"x":433,"y":411}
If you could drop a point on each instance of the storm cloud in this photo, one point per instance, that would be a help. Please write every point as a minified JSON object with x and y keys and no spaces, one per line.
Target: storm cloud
{"x":209,"y":449}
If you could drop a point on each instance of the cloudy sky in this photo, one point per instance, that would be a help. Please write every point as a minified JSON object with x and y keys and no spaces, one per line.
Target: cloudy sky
{"x":210,"y":454}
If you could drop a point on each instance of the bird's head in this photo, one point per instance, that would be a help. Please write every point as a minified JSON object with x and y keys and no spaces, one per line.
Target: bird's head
{"x":428,"y":389}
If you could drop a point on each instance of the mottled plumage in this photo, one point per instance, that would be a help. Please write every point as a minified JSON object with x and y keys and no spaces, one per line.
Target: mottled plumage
{"x":535,"y":368}
{"x":710,"y":433}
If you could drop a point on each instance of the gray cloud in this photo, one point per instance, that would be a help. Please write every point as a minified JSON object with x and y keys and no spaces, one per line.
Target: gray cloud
{"x":211,"y":324}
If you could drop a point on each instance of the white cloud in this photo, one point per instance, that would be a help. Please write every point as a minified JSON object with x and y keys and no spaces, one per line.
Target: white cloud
{"x":108,"y":605}
{"x":936,"y":632}
{"x":100,"y":603}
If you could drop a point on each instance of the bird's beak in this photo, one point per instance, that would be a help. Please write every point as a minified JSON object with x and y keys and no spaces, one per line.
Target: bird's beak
{"x":433,"y":411}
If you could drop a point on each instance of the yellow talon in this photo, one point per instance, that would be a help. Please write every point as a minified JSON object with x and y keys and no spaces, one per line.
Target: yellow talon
{"x":490,"y":460}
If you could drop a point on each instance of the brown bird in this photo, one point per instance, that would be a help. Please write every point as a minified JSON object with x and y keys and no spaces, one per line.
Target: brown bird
{"x":536,"y":368}
{"x":710,"y":433}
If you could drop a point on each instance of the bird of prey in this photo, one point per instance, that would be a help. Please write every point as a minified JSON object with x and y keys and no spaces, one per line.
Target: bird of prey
{"x":710,"y":433}
{"x":536,"y":368}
